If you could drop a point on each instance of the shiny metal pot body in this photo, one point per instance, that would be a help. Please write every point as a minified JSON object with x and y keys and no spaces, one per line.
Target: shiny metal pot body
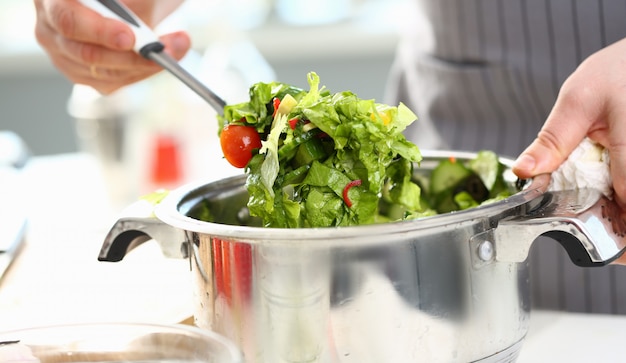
{"x":383,"y":296}
{"x":449,"y":288}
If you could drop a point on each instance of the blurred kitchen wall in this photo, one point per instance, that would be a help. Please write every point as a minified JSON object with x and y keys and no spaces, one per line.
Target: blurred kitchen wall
{"x":349,"y":43}
{"x":32,"y":93}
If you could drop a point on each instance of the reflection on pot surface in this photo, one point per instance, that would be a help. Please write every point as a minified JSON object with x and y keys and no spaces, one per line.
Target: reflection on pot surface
{"x":448,"y":288}
{"x":405,"y":301}
{"x":116,"y":342}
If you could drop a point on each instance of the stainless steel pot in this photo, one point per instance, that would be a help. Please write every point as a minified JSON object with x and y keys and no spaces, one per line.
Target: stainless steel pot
{"x":449,"y":288}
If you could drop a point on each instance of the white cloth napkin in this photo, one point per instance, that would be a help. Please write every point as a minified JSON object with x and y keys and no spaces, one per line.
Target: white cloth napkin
{"x":586,"y":167}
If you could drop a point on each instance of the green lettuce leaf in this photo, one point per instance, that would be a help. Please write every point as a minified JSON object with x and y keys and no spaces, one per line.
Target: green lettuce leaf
{"x":348,"y":139}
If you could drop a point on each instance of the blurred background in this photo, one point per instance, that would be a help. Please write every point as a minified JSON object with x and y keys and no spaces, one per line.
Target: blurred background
{"x":349,"y":43}
{"x":159,"y":134}
{"x":94,"y":155}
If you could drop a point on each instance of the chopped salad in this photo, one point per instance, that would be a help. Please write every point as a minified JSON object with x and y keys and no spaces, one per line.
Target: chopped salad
{"x":319,"y":159}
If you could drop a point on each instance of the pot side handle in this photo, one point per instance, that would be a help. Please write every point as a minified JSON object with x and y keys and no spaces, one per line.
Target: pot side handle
{"x":139,"y":225}
{"x":591,"y":228}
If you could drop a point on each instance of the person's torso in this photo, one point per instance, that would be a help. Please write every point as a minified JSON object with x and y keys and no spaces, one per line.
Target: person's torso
{"x":485,"y":73}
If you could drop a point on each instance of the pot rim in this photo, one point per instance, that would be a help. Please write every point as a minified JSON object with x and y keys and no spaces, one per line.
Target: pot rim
{"x":168,"y":211}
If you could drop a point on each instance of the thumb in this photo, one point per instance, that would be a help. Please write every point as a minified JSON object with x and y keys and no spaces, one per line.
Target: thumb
{"x":546,"y":153}
{"x":566,"y":126}
{"x":617,"y":153}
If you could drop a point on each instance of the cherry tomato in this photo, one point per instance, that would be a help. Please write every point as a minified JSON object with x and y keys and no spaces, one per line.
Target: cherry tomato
{"x":238,"y":142}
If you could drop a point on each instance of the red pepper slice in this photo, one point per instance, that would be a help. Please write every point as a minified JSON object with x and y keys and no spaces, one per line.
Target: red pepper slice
{"x":276,"y":103}
{"x":293,"y":122}
{"x":351,"y":184}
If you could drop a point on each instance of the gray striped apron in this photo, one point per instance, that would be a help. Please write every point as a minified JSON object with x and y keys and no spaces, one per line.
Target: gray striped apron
{"x":484,"y":74}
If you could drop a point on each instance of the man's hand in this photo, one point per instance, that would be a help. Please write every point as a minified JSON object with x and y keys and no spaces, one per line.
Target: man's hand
{"x":97,"y":51}
{"x":592,"y":102}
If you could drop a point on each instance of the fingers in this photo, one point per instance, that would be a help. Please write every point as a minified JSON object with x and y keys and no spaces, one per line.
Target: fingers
{"x":89,"y":54}
{"x":618,"y":175}
{"x":590,"y":104}
{"x":112,"y":70}
{"x":576,"y":109}
{"x":620,"y":261}
{"x":177,"y":44}
{"x":112,"y":75}
{"x":71,"y":20}
{"x":94,"y":50}
{"x":117,"y":64}
{"x":617,"y":151}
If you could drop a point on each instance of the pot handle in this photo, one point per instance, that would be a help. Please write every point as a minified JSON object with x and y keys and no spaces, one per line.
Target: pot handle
{"x":590,"y":226}
{"x":138,"y":225}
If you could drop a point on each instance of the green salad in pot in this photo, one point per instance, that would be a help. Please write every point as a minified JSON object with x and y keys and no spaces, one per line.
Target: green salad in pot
{"x":319,"y":159}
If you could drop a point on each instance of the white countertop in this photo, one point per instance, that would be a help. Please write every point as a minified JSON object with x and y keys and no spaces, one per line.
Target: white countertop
{"x":558,"y":337}
{"x":57,"y":278}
